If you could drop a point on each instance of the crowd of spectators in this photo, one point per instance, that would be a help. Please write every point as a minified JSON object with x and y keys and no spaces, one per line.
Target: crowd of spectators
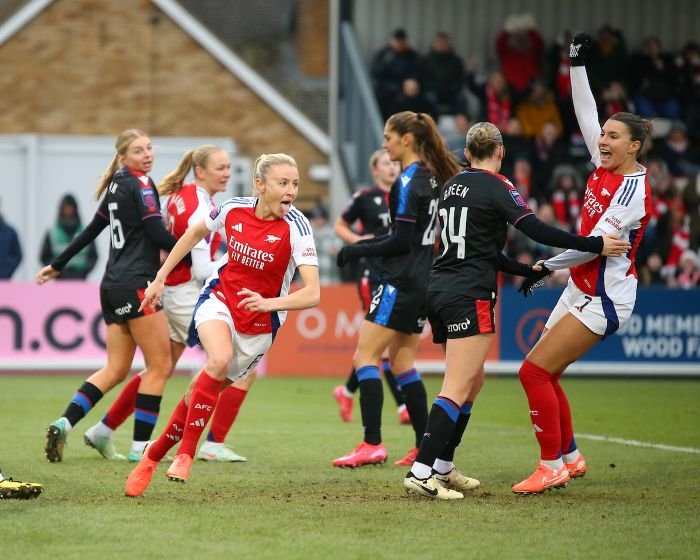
{"x":528,"y":97}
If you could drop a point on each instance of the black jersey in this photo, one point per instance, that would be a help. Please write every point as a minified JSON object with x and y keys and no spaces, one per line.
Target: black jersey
{"x":133,"y":259}
{"x":474,"y":210}
{"x":369,"y":207}
{"x":413,"y":198}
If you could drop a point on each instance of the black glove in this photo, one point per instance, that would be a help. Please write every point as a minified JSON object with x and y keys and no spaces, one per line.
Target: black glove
{"x":347,"y":254}
{"x":580,"y":46}
{"x":534,"y":280}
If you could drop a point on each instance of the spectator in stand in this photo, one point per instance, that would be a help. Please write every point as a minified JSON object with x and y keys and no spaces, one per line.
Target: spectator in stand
{"x":551,"y":150}
{"x":444,"y":74}
{"x":391,"y":66}
{"x":327,"y":244}
{"x":522,"y":179}
{"x":61,"y":234}
{"x":411,"y":98}
{"x":537,"y":109}
{"x":688,"y":275}
{"x":689,"y":88}
{"x":495,"y":104}
{"x":691,"y":199}
{"x":565,"y":194}
{"x":608,"y":58}
{"x":455,"y":142}
{"x":10,"y":249}
{"x":650,"y":271}
{"x":614,"y":100}
{"x":682,"y":158}
{"x":520,"y":48}
{"x":517,"y":146}
{"x":674,"y":237}
{"x":560,"y":81}
{"x":654,"y":81}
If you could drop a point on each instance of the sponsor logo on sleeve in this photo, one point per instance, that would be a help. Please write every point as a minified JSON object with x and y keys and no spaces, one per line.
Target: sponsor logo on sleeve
{"x":309,"y":252}
{"x":614,"y":221}
{"x":517,"y":198}
{"x":148,"y":197}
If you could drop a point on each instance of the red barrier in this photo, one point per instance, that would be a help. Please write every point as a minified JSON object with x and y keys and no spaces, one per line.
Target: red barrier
{"x":321,"y":341}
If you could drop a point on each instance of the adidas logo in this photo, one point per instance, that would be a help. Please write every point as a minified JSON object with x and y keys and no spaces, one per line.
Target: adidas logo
{"x":199,"y":423}
{"x":238,"y":227}
{"x":573,"y":50}
{"x":538,"y":429}
{"x":172,"y":437}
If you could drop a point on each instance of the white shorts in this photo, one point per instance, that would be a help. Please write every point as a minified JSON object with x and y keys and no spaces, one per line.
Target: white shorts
{"x":178,"y":304}
{"x":599,"y":314}
{"x":248,"y":349}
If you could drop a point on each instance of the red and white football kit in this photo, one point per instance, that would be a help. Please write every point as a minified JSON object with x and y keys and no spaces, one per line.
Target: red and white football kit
{"x":262,"y":256}
{"x":184,"y":208}
{"x":602,"y":290}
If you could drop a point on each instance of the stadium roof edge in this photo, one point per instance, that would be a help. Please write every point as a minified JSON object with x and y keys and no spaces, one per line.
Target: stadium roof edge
{"x":208,"y":41}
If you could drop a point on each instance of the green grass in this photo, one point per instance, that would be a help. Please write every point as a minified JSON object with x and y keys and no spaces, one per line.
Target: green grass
{"x":288,"y":502}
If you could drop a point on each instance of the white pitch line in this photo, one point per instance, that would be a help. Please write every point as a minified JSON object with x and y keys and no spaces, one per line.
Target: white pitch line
{"x":636,"y":443}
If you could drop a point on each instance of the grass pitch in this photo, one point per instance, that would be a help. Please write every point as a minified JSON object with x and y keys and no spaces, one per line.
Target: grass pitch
{"x":288,"y":502}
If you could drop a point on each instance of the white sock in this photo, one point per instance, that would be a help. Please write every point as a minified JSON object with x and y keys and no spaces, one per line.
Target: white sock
{"x":1,"y":477}
{"x":555,"y":464}
{"x":571,"y":457}
{"x":419,"y":470}
{"x":347,"y":393}
{"x":443,"y":467}
{"x":401,"y":408}
{"x":67,"y":424}
{"x":138,"y":446}
{"x":103,"y":430}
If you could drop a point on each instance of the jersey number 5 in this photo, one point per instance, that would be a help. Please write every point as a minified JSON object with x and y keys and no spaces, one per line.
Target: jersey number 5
{"x":115,"y":227}
{"x":451,"y":234}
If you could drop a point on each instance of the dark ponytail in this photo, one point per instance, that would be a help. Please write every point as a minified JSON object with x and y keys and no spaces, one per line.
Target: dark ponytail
{"x":428,"y":143}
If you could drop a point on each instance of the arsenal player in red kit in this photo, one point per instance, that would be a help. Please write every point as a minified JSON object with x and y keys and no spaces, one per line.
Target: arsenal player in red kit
{"x":239,"y":310}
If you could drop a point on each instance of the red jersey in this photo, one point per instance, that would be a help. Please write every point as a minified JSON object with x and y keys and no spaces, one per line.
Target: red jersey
{"x":188,"y":206}
{"x":262,"y":256}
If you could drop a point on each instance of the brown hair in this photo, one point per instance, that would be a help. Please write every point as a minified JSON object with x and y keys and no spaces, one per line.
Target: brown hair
{"x":640,"y":129}
{"x":428,"y":143}
{"x":122,"y":144}
{"x":482,"y":140}
{"x":196,"y":157}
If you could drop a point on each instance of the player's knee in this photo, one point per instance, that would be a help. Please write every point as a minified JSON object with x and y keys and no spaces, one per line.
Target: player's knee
{"x":218,"y":364}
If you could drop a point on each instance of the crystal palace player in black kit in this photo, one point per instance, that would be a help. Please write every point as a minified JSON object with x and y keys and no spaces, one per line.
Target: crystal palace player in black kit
{"x":474,"y":209}
{"x":396,"y":314}
{"x":131,"y":209}
{"x":369,"y":209}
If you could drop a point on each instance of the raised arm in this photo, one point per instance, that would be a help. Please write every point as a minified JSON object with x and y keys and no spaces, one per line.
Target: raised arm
{"x":584,"y":102}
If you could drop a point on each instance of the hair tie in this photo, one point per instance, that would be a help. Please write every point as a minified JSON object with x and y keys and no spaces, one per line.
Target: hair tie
{"x":419,"y":116}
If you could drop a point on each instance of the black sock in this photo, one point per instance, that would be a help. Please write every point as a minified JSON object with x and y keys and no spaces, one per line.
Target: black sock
{"x":82,"y":402}
{"x":352,"y":383}
{"x":462,"y":420}
{"x":416,"y":401}
{"x":392,"y":383}
{"x":371,"y":402}
{"x":146,"y":409}
{"x":439,"y":431}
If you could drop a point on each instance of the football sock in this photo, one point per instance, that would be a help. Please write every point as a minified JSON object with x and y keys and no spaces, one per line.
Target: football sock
{"x":565,"y":423}
{"x":553,"y":463}
{"x":465,"y":413}
{"x":172,"y":434}
{"x":82,"y":402}
{"x":443,"y":467}
{"x":102,"y":430}
{"x":205,"y":395}
{"x":123,"y":406}
{"x":227,"y":408}
{"x":391,"y":382}
{"x":146,"y":409}
{"x":371,"y":402}
{"x":440,"y":427}
{"x":544,"y":409}
{"x":351,"y":384}
{"x":571,"y":457}
{"x":413,"y":391}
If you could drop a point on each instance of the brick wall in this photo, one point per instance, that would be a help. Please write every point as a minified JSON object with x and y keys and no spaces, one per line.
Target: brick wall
{"x":95,"y":67}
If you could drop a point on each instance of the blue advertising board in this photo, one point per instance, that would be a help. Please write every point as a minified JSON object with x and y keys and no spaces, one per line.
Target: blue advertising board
{"x":664,"y":328}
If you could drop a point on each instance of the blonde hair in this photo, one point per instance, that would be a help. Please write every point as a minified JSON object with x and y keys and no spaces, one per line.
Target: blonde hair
{"x":263,"y":164}
{"x":482,"y":140}
{"x":196,"y":157}
{"x":374,"y":158}
{"x":122,"y":144}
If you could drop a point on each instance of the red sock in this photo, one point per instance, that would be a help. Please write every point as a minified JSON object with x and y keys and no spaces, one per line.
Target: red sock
{"x":205,"y":394}
{"x":565,"y":423}
{"x":123,"y":406}
{"x":544,"y":409}
{"x":230,"y":402}
{"x":172,"y":434}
